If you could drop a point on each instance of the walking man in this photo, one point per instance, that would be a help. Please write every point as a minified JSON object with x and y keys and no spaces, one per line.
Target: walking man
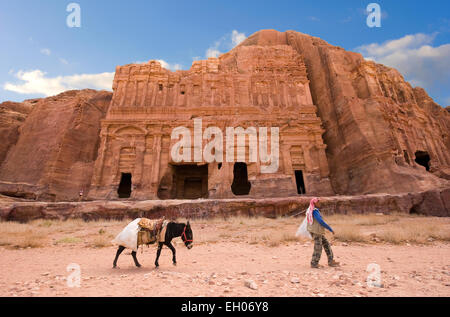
{"x":316,"y":226}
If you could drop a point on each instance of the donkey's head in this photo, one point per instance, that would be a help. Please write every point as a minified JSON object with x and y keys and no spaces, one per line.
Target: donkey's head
{"x":187,"y":236}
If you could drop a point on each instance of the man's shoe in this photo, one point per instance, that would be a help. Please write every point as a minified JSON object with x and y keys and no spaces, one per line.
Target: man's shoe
{"x":316,"y":266}
{"x":333,"y":264}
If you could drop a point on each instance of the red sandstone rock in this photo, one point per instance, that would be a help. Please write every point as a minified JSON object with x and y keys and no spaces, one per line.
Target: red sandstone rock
{"x":54,"y":155}
{"x":433,"y":203}
{"x":12,"y":116}
{"x":247,"y":87}
{"x":375,"y":122}
{"x":350,"y":125}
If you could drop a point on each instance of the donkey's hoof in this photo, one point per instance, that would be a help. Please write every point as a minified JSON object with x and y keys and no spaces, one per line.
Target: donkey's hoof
{"x":138,"y":265}
{"x":174,"y":263}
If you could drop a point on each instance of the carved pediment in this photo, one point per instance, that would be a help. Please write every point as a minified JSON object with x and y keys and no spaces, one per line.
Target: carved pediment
{"x":129,"y":130}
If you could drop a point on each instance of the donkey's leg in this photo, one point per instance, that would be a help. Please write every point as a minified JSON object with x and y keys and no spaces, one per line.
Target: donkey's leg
{"x":158,"y":253}
{"x":135,"y":259}
{"x":119,"y":251}
{"x":171,"y":247}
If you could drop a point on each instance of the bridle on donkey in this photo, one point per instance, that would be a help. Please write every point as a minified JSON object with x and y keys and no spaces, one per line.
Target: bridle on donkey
{"x":184,"y":234}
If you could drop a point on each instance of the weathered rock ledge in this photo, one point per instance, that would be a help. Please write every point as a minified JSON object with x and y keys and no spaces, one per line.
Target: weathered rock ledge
{"x":433,"y":203}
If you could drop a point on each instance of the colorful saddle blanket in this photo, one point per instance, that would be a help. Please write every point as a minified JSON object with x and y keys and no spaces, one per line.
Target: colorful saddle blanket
{"x":151,"y":231}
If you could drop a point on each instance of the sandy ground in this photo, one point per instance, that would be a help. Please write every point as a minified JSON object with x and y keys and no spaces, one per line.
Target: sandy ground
{"x":227,"y":268}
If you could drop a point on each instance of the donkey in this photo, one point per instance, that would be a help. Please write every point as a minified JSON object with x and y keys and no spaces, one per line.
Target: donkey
{"x":173,"y":230}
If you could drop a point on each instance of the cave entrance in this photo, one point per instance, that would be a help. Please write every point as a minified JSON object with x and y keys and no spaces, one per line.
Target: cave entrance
{"x":124,"y":190}
{"x":300,"y":182}
{"x":240,"y":186}
{"x":191,"y":181}
{"x":414,"y":210}
{"x":423,"y":158}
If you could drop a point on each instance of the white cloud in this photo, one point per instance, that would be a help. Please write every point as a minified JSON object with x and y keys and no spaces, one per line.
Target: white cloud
{"x":414,"y":56}
{"x":392,"y":46}
{"x":46,"y":51}
{"x":36,"y":82}
{"x":63,"y":61}
{"x":212,"y":52}
{"x":227,"y":42}
{"x":237,"y":38}
{"x":166,"y":65}
{"x":172,"y":67}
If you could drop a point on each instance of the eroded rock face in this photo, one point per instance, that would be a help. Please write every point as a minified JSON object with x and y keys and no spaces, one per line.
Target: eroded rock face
{"x":54,"y":155}
{"x":430,"y":203}
{"x":376,"y":124}
{"x":349,"y":125}
{"x":12,"y":116}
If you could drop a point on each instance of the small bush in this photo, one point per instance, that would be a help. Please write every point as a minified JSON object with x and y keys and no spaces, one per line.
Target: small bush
{"x":68,"y":240}
{"x":349,"y":233}
{"x":23,"y":240}
{"x":101,"y":241}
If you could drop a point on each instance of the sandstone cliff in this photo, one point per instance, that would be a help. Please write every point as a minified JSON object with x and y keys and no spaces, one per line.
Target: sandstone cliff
{"x":12,"y":116}
{"x":381,"y":134}
{"x":54,"y":155}
{"x":377,"y":125}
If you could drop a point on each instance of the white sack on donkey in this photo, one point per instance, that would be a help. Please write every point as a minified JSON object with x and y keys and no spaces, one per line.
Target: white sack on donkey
{"x":128,"y":236}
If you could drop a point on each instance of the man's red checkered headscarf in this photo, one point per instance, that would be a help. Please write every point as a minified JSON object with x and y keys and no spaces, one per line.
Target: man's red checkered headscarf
{"x":309,"y":212}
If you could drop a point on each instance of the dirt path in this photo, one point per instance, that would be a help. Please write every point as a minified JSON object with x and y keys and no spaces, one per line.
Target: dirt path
{"x":222,"y":269}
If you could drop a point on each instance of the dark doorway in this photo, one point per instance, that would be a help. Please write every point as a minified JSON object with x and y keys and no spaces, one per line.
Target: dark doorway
{"x":300,"y":182}
{"x":124,"y":190}
{"x":191,"y":181}
{"x":414,"y":210}
{"x":423,"y":158}
{"x":241,"y":185}
{"x":193,"y":188}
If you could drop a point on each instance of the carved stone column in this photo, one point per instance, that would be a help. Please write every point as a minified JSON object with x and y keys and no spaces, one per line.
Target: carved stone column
{"x":323,"y":163}
{"x":98,"y":169}
{"x":157,"y":145}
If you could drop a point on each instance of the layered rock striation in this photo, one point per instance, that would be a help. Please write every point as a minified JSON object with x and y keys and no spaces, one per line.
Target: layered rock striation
{"x":382,"y":135}
{"x":12,"y":116}
{"x":54,"y":155}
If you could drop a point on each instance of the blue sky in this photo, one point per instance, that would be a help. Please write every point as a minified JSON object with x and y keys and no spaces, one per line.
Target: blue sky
{"x":41,"y":55}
